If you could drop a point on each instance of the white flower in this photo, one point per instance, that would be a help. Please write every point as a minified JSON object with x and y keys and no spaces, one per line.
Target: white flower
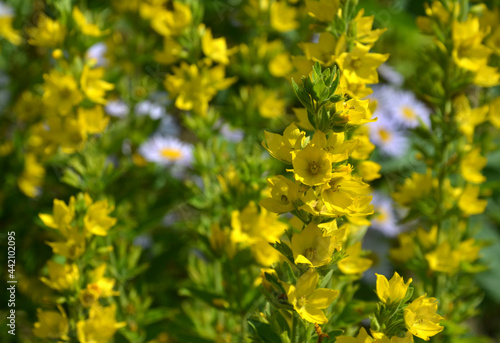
{"x":97,"y":52}
{"x":167,"y":151}
{"x":117,"y":108}
{"x":402,"y":107}
{"x":385,"y":135}
{"x":384,"y":219}
{"x":153,"y":110}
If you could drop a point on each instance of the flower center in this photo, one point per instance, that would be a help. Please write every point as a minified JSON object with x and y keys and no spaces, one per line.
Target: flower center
{"x":171,"y":154}
{"x":409,"y":113}
{"x":314,"y":168}
{"x":356,"y":63}
{"x":385,"y":135}
{"x":309,"y":253}
{"x":284,"y":198}
{"x":302,"y":301}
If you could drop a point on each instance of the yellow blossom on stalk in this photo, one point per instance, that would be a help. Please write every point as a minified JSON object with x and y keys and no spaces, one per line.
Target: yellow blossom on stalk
{"x":323,"y":10}
{"x":467,"y":118}
{"x":379,"y":337}
{"x":195,"y":87}
{"x":257,"y":230}
{"x":468,"y":52}
{"x":486,"y":76}
{"x":6,"y":29}
{"x":61,"y":216}
{"x":354,"y":112}
{"x":281,"y":147}
{"x":101,"y":325}
{"x":270,"y":104}
{"x":283,"y":17}
{"x":280,"y":65}
{"x":312,"y":247}
{"x":32,"y":177}
{"x":170,"y":53}
{"x":94,"y":88}
{"x":359,"y":66}
{"x":364,"y":147}
{"x":284,"y":193}
{"x":98,"y":287}
{"x":312,"y":166}
{"x":47,"y":33}
{"x":86,"y":28}
{"x":215,"y":49}
{"x":393,"y":290}
{"x":427,"y":239}
{"x":97,"y":220}
{"x":469,"y":202}
{"x":93,"y":120}
{"x":325,"y":50}
{"x":414,"y":188}
{"x":436,"y":10}
{"x":406,"y":249}
{"x":421,"y":318}
{"x":72,"y":247}
{"x":171,"y":22}
{"x":66,"y":133}
{"x":443,"y":259}
{"x":302,"y":119}
{"x":468,"y":251}
{"x":61,"y":276}
{"x":336,"y":145}
{"x":309,"y":301}
{"x":364,"y":32}
{"x":51,"y":325}
{"x":354,"y":263}
{"x":369,"y":170}
{"x":61,"y":92}
{"x":471,"y":165}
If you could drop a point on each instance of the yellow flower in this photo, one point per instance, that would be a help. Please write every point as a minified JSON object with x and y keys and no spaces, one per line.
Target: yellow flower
{"x":471,"y":165}
{"x":98,"y":287}
{"x":469,"y":202}
{"x":312,"y":247}
{"x":257,"y":230}
{"x":309,"y":301}
{"x":215,"y":49}
{"x":51,"y":325}
{"x":427,"y":239}
{"x":467,"y":118}
{"x":406,"y":249}
{"x":323,"y":10}
{"x":280,"y":65}
{"x":284,"y":192}
{"x":97,"y":220}
{"x":32,"y":177}
{"x":60,"y":92}
{"x":94,"y":88}
{"x":443,"y":259}
{"x":325,"y":51}
{"x":170,"y":53}
{"x":62,"y":215}
{"x":283,"y":17}
{"x":171,"y":23}
{"x":354,"y":263}
{"x":86,"y":28}
{"x":421,"y":318}
{"x":281,"y":147}
{"x":364,"y":32}
{"x":379,"y":337}
{"x":101,"y":325}
{"x":468,"y":52}
{"x":312,"y":166}
{"x":270,"y":104}
{"x":359,"y":65}
{"x":414,"y":188}
{"x":195,"y":87}
{"x":72,"y":247}
{"x":393,"y":290}
{"x":92,"y":120}
{"x":61,"y":276}
{"x":47,"y":33}
{"x":369,"y":170}
{"x":354,"y":112}
{"x":468,"y":251}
